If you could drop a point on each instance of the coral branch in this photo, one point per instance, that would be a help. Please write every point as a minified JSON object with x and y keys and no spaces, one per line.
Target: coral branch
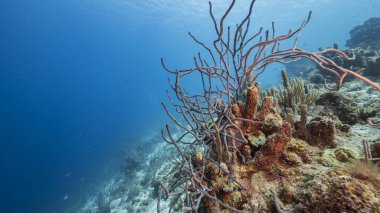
{"x":372,"y":123}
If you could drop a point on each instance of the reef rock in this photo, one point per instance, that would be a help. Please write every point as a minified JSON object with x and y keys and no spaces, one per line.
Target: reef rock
{"x":322,"y":132}
{"x":366,"y":36}
{"x":342,"y":194}
{"x":300,"y":150}
{"x":364,"y":44}
{"x":345,"y":107}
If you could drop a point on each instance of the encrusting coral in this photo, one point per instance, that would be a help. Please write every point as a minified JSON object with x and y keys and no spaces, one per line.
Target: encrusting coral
{"x":322,"y":132}
{"x":272,"y":150}
{"x":342,"y":193}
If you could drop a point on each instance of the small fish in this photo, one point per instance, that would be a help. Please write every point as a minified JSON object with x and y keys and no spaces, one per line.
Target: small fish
{"x":360,"y":70}
{"x":66,"y":197}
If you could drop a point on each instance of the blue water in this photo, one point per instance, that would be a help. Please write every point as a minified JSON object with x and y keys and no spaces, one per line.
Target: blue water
{"x":81,"y":80}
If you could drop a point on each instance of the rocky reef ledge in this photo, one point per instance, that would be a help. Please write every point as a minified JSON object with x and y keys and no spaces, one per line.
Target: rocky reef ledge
{"x":325,"y":170}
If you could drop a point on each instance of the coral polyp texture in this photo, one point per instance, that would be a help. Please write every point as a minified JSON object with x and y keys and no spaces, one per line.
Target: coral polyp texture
{"x":242,"y":149}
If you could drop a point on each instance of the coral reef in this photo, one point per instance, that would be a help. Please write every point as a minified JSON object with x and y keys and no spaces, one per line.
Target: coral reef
{"x":247,"y":142}
{"x":366,"y":36}
{"x":366,"y":62}
{"x":342,"y":193}
{"x":304,"y":177}
{"x":237,"y":148}
{"x":364,"y":44}
{"x":345,"y":107}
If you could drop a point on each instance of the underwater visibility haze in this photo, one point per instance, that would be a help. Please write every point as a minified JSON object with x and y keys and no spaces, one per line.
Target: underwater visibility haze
{"x":81,"y":86}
